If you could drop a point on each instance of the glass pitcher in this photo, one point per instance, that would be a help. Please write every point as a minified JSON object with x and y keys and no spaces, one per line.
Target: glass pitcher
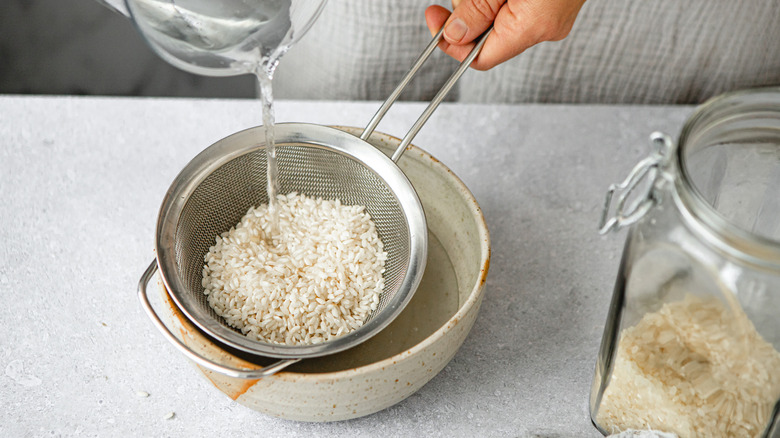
{"x":220,"y":38}
{"x":692,"y":339}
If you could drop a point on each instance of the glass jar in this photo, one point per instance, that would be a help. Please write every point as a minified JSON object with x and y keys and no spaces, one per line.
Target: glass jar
{"x":692,"y":339}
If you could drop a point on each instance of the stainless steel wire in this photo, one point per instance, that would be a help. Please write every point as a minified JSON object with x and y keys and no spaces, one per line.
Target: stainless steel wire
{"x":218,"y":186}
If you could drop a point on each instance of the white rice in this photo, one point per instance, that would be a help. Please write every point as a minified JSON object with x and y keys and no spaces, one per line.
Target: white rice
{"x":320,"y":278}
{"x":695,"y":368}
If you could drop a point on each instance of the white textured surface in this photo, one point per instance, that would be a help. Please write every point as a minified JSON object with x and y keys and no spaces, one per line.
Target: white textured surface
{"x":81,"y":180}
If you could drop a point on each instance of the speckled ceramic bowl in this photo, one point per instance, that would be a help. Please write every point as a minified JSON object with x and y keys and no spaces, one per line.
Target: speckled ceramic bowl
{"x":407,"y":354}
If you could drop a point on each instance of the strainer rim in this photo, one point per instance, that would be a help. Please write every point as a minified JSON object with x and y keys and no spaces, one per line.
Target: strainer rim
{"x":249,"y":140}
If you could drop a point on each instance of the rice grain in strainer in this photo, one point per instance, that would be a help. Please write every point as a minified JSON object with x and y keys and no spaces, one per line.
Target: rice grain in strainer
{"x":216,"y":188}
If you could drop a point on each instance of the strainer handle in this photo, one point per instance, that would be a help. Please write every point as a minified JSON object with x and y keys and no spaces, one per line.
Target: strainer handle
{"x":240,"y":373}
{"x":407,"y":140}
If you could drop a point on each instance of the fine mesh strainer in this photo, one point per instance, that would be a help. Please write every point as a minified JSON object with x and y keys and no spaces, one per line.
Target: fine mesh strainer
{"x":219,"y":185}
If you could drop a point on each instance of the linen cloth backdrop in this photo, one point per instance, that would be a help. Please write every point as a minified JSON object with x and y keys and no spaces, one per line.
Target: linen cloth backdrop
{"x":619,"y":51}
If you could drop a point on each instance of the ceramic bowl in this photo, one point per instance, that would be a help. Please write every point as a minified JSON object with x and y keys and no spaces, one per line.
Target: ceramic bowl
{"x":408,"y":353}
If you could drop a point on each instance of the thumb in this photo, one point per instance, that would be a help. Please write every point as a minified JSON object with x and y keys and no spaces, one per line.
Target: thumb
{"x":470,"y":19}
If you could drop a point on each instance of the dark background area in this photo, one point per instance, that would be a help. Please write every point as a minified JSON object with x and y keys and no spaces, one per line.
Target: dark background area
{"x":81,"y":47}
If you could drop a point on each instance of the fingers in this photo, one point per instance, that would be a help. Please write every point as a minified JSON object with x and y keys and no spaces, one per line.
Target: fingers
{"x":514,"y":31}
{"x":497,"y":49}
{"x":517,"y":25}
{"x":470,"y":19}
{"x":435,"y":17}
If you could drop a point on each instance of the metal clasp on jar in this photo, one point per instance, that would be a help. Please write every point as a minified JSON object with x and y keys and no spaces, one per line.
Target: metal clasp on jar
{"x":650,"y":170}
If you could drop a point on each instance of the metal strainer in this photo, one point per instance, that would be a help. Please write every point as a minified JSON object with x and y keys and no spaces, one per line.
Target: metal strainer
{"x":214,"y":190}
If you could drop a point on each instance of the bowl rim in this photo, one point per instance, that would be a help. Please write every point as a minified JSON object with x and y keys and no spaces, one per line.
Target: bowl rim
{"x":472,"y":299}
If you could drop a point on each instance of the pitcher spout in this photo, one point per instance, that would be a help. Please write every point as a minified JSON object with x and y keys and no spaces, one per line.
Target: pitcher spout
{"x":117,"y":6}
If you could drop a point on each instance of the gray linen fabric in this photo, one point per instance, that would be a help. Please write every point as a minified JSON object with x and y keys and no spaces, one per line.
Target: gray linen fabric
{"x":619,"y":51}
{"x":360,"y":50}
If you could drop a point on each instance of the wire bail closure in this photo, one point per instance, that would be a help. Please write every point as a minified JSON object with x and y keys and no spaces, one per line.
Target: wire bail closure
{"x":649,"y":169}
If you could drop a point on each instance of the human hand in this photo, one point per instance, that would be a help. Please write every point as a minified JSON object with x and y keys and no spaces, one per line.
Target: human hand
{"x":517,"y":25}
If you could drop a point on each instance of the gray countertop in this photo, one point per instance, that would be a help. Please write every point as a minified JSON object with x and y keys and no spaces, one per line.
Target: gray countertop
{"x":81,"y":180}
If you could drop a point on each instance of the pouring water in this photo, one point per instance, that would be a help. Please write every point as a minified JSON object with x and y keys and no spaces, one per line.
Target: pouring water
{"x":226,"y":38}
